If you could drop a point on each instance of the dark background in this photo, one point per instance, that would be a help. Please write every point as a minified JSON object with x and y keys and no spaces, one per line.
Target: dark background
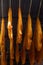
{"x":24,"y":10}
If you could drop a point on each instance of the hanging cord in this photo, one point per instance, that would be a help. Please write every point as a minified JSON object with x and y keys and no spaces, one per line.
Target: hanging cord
{"x":30,"y":6}
{"x":10,"y":3}
{"x":19,"y":3}
{"x":39,"y":8}
{"x":2,"y":7}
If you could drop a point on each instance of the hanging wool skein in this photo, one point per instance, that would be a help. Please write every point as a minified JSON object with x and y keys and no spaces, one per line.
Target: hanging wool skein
{"x":19,"y":33}
{"x":38,"y":38}
{"x":10,"y":34}
{"x":2,"y":39}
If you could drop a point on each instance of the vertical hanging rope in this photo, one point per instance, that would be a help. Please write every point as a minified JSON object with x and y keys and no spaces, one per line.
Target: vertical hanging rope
{"x":10,"y":3}
{"x":2,"y":7}
{"x":30,"y":6}
{"x":39,"y":8}
{"x":19,"y":3}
